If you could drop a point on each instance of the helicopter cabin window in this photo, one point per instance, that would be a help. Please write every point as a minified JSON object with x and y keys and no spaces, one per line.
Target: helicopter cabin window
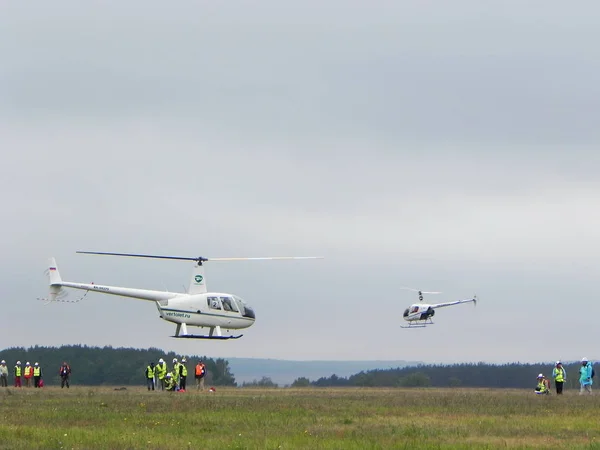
{"x":213,"y":302}
{"x":414,"y":309}
{"x":228,"y":304}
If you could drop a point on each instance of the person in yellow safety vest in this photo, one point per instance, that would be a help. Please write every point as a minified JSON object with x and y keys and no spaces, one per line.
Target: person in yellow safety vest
{"x":18,"y":374}
{"x":200,"y":374}
{"x":170,"y":382}
{"x":150,"y":371}
{"x":161,"y":372}
{"x":543,"y":385}
{"x":182,"y":374}
{"x":37,"y":375}
{"x":28,"y":374}
{"x":560,"y":376}
{"x":175,"y":371}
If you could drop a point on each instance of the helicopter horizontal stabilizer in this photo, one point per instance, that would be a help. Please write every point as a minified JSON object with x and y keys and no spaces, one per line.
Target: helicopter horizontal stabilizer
{"x":198,"y":336}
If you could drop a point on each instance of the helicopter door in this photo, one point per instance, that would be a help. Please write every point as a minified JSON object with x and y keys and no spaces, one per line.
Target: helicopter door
{"x":228,"y":304}
{"x":213,"y":302}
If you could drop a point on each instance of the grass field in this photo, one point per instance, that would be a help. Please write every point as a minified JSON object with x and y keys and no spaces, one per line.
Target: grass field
{"x":345,"y":418}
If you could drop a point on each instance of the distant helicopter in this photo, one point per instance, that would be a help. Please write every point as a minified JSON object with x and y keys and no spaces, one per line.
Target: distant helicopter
{"x":418,"y":315}
{"x":197,"y":307}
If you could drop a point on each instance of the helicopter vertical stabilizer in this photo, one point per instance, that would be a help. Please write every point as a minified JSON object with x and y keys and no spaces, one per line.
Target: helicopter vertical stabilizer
{"x":53,"y":272}
{"x":56,"y":293}
{"x":198,"y":281}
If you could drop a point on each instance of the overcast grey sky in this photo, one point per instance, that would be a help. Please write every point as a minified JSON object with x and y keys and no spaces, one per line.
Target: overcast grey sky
{"x":448,"y":146}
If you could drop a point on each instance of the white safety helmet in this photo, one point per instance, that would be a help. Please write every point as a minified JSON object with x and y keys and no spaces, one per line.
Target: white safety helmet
{"x":540,"y":376}
{"x":183,"y":360}
{"x":174,"y":359}
{"x":18,"y":363}
{"x":3,"y":362}
{"x":161,"y":360}
{"x":27,"y":363}
{"x":584,"y":359}
{"x":36,"y":364}
{"x":169,"y":375}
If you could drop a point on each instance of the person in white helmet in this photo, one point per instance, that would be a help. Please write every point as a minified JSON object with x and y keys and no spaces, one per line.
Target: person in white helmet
{"x":3,"y":374}
{"x":161,"y":373}
{"x":170,"y":382}
{"x":182,"y":374}
{"x":586,"y":373}
{"x":560,"y":376}
{"x":37,"y":375}
{"x":175,"y":371}
{"x":543,"y":385}
{"x":28,"y":374}
{"x":18,"y":374}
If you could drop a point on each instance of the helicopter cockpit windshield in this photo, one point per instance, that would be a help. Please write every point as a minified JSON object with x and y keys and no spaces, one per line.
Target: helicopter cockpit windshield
{"x":246,"y":310}
{"x":229,"y":304}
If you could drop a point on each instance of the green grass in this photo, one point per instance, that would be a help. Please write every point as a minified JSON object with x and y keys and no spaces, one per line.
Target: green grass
{"x":254,"y":418}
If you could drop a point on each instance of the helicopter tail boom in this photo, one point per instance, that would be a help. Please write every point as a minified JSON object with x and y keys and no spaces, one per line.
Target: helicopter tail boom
{"x":58,"y":291}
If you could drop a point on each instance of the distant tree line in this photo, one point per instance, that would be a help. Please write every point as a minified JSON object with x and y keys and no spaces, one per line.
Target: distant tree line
{"x":514,"y":375}
{"x":109,"y":366}
{"x":263,"y":382}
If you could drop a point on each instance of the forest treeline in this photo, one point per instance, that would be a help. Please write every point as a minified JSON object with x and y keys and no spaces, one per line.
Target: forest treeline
{"x":110,"y":366}
{"x":514,"y":375}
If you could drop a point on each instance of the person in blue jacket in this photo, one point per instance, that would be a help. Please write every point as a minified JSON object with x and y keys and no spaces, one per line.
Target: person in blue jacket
{"x":586,"y":373}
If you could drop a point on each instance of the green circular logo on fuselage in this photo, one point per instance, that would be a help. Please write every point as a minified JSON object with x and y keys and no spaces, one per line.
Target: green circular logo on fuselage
{"x":198,"y":278}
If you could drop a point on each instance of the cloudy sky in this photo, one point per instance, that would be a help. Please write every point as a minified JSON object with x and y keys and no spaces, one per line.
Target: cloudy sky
{"x":448,"y":146}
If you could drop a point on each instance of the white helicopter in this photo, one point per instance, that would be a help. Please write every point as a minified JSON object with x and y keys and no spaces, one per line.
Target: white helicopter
{"x":197,"y":307}
{"x":418,"y":315}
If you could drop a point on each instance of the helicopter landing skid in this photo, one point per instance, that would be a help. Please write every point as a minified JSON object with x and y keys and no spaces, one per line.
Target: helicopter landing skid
{"x":417,"y":325}
{"x":198,"y":336}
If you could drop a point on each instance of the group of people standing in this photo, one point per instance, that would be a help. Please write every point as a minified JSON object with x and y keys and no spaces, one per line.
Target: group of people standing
{"x":29,"y":372}
{"x":159,"y":376}
{"x":559,"y":375}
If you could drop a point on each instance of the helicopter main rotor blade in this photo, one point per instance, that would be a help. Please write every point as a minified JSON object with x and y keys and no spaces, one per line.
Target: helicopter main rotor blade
{"x":417,"y":290}
{"x":264,"y":258}
{"x":182,"y":258}
{"x":186,"y":258}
